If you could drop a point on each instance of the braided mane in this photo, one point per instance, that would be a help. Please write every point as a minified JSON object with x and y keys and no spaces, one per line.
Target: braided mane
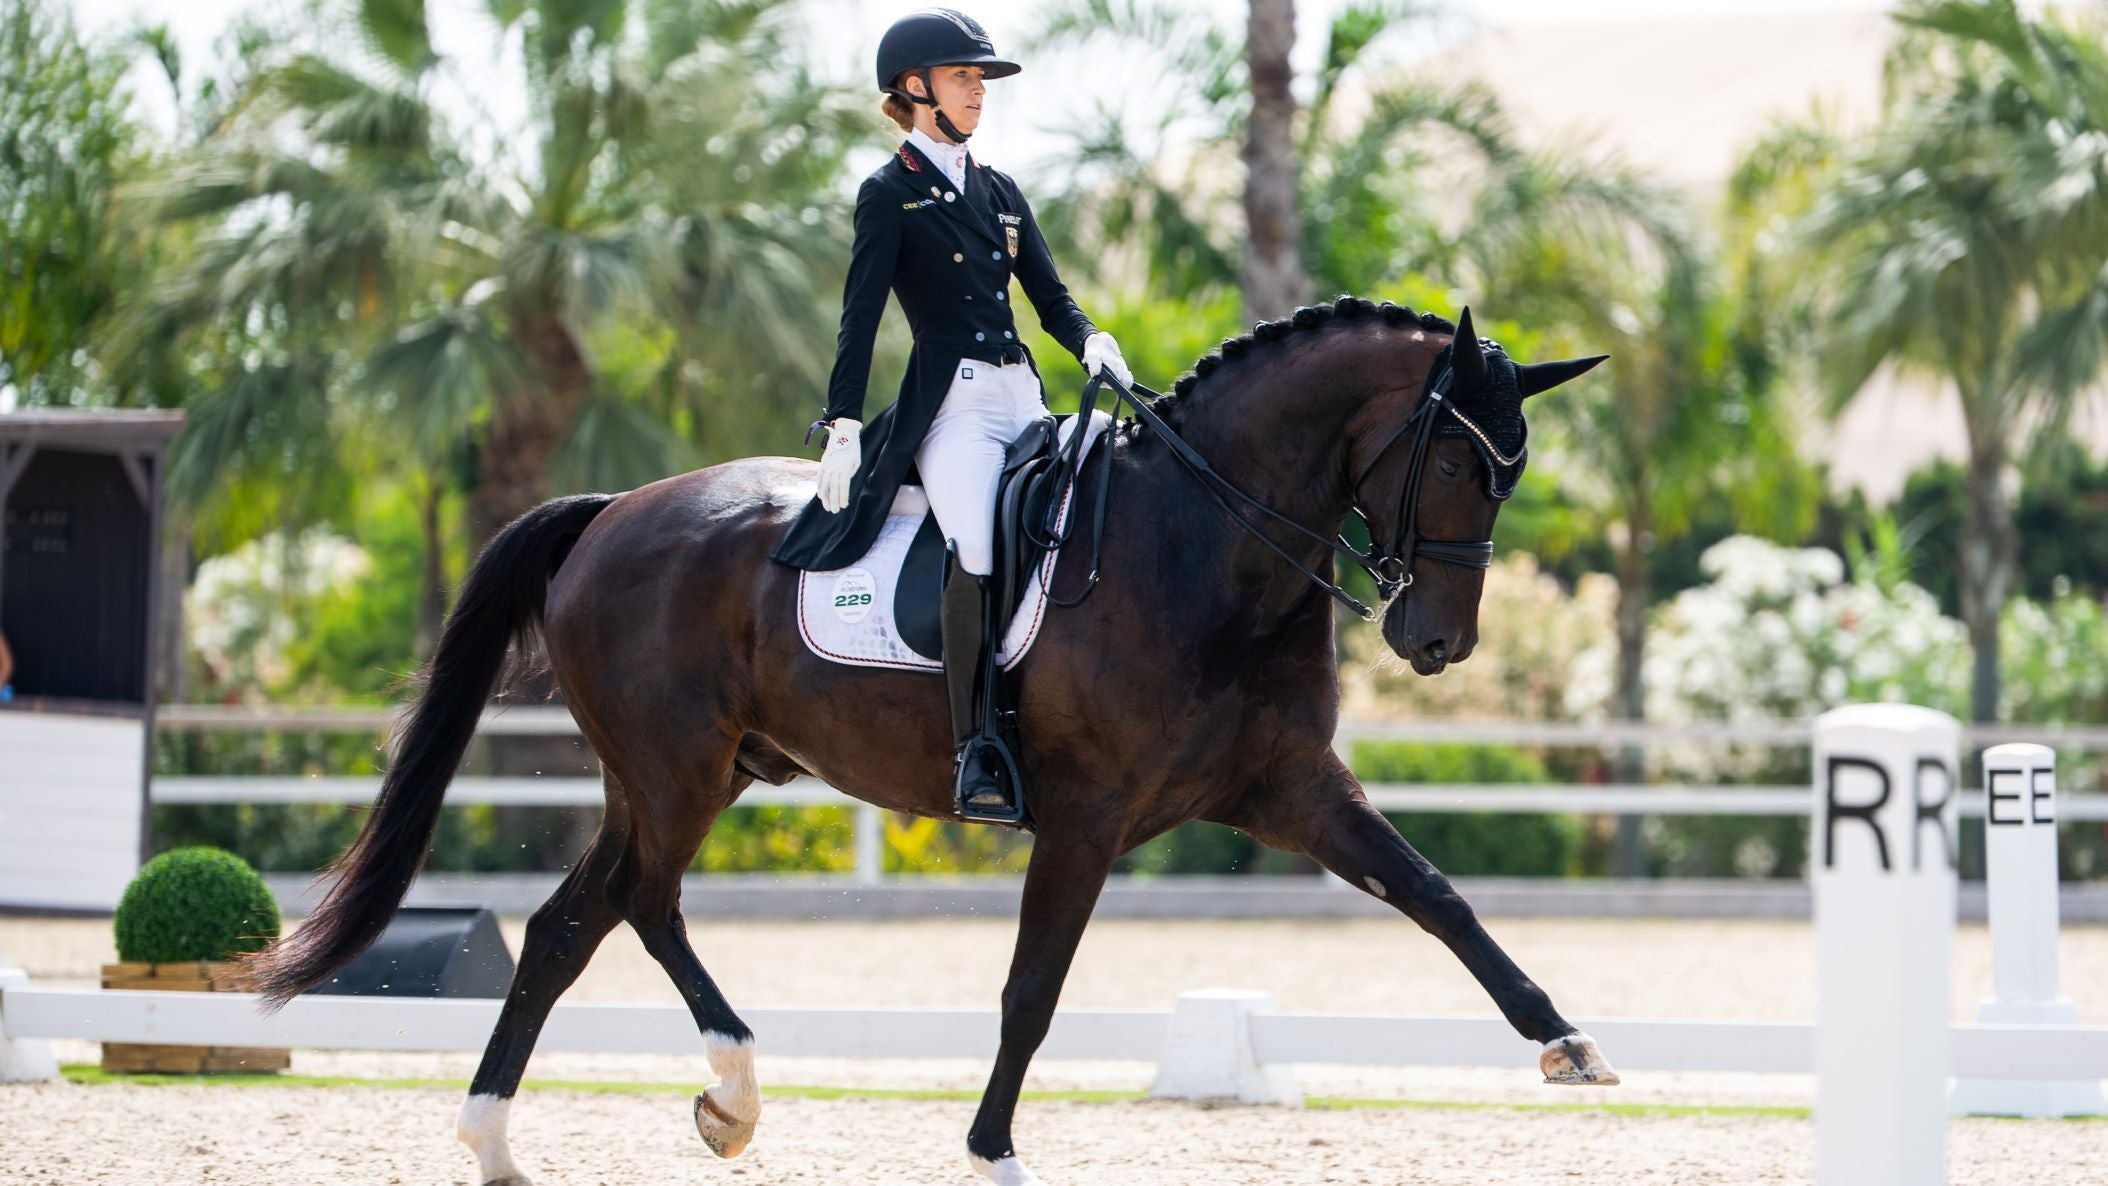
{"x":1348,"y":310}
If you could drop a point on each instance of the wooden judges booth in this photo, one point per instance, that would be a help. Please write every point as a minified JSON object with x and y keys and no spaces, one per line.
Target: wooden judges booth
{"x":80,"y":531}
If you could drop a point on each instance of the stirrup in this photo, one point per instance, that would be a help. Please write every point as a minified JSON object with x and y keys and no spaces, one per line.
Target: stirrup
{"x":1012,"y":813}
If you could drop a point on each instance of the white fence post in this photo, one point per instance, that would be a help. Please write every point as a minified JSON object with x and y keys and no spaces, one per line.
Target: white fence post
{"x":2020,"y":883}
{"x":22,"y":1060}
{"x":870,"y":844}
{"x":1882,"y":861}
{"x":1208,"y":1052}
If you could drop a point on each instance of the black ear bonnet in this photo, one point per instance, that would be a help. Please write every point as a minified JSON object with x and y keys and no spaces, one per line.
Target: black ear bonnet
{"x":1489,"y":417}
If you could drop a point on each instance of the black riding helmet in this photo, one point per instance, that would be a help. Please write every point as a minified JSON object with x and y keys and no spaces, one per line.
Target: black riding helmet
{"x":937,"y":37}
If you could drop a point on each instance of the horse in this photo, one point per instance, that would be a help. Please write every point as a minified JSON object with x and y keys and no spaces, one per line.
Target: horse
{"x":1198,"y":682}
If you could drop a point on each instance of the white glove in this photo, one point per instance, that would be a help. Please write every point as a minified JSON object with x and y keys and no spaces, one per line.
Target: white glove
{"x":845,"y":452}
{"x":1100,"y":352}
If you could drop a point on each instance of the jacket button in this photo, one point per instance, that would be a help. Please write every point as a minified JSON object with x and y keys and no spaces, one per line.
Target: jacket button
{"x":1006,"y":333}
{"x":950,"y":196}
{"x":1002,"y":296}
{"x":980,"y":337}
{"x":958,"y":257}
{"x":995,"y":255}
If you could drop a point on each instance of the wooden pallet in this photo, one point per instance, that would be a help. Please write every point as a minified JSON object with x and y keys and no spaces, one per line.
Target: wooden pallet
{"x":134,"y":1058}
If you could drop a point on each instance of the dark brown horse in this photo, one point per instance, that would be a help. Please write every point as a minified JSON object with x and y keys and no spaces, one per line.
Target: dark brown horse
{"x":1198,"y":682}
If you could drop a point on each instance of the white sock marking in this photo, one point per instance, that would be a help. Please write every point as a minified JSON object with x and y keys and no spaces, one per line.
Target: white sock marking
{"x":737,"y":1090}
{"x":482,"y":1128}
{"x":1005,"y":1171}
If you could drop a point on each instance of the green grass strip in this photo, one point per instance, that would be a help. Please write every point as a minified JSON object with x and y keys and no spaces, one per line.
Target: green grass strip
{"x":88,"y":1074}
{"x":92,"y":1075}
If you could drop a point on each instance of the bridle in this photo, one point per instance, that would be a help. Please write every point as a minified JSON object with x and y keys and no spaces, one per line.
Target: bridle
{"x":1389,"y":565}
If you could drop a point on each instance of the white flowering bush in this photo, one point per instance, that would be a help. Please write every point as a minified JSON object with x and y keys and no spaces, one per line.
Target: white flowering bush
{"x":2053,"y":658}
{"x":1531,"y":632}
{"x":244,"y":609}
{"x":1779,"y":632}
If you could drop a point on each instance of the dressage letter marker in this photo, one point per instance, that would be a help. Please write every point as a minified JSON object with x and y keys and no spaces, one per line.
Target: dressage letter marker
{"x":2020,"y":881}
{"x":1884,"y":879}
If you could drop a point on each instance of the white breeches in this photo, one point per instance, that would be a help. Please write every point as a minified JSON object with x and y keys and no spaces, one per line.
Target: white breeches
{"x":961,"y":456}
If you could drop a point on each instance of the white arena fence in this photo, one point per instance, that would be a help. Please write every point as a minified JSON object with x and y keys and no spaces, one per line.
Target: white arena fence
{"x":1681,"y":799}
{"x":1272,"y":1040}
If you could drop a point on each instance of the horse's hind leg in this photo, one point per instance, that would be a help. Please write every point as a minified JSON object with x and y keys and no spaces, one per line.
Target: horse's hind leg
{"x":561,"y":937}
{"x":1329,"y":819}
{"x":670,"y":830}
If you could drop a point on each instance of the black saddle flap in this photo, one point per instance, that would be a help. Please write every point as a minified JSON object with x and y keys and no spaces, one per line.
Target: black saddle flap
{"x":917,"y":594}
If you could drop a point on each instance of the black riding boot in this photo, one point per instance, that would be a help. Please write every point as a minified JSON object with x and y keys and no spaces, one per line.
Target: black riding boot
{"x":964,"y":621}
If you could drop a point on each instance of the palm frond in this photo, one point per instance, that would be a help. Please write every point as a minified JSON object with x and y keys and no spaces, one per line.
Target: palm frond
{"x":396,"y":30}
{"x":437,"y":375}
{"x":615,"y":445}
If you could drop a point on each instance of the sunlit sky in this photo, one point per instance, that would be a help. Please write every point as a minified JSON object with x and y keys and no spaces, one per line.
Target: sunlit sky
{"x":1017,"y":131}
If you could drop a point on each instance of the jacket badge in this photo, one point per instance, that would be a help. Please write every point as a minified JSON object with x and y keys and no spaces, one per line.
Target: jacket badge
{"x":908,"y":158}
{"x":1010,"y":234}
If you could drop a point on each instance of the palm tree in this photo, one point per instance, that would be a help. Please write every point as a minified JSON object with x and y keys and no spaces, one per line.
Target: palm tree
{"x":1272,"y":276}
{"x":571,"y":313}
{"x":1230,"y":93}
{"x":1966,"y":239}
{"x":1685,"y":414}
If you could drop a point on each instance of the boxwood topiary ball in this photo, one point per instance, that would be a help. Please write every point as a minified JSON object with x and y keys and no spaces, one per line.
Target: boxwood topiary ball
{"x":194,"y":904}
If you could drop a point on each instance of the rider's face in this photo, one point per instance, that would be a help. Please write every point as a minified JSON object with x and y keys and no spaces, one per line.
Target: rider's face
{"x":959,"y":92}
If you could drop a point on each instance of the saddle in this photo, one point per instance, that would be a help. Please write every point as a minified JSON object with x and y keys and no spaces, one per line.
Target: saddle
{"x":1035,"y":475}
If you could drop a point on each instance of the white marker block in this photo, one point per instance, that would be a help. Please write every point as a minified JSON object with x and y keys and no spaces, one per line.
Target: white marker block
{"x":22,"y":1060}
{"x":2020,"y":883}
{"x":1882,"y":862}
{"x":1208,"y":1052}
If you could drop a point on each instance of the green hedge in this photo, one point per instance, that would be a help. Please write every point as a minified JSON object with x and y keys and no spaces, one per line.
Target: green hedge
{"x":1474,"y":843}
{"x":194,"y":904}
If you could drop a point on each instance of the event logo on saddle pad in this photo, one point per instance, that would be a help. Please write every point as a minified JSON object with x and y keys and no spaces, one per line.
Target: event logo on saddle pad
{"x":846,"y":614}
{"x":854,"y":590}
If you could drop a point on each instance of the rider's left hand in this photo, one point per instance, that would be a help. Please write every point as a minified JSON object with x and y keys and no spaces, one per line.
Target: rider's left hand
{"x":1100,"y":352}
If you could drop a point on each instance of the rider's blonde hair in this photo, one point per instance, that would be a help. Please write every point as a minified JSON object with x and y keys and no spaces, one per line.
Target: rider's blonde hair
{"x":897,"y":109}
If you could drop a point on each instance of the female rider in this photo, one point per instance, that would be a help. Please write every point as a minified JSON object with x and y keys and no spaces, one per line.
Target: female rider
{"x":947,"y":234}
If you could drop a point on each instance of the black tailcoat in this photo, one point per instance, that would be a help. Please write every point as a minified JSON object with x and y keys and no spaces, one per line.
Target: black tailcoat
{"x":949,"y":256}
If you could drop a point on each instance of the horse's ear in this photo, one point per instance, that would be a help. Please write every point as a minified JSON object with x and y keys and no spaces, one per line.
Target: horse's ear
{"x":1535,"y":377}
{"x":1466,"y":360}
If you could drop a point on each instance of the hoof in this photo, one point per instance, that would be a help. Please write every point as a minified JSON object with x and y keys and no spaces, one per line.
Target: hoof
{"x":726,"y":1134}
{"x":1574,"y":1060}
{"x":510,"y":1180}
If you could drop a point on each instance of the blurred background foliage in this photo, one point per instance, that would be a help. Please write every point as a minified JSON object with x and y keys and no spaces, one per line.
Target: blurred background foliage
{"x":392,"y":331}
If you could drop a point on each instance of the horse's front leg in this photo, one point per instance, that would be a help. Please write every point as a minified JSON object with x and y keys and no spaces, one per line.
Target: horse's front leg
{"x":1327,"y":817}
{"x":1062,"y":883}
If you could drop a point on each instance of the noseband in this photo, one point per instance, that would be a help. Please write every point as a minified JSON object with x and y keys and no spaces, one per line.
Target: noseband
{"x":1391,"y":566}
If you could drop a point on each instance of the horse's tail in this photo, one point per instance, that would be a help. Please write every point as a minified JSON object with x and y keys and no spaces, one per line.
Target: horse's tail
{"x":502,"y":600}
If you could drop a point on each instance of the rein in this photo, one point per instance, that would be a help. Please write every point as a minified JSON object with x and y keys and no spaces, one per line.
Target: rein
{"x":1389,"y":566}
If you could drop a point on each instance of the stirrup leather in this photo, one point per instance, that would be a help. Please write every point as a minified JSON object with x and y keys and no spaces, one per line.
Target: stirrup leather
{"x":981,"y":728}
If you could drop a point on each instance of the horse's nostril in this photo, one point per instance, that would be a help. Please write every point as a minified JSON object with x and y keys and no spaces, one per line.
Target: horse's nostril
{"x":1438,"y":650}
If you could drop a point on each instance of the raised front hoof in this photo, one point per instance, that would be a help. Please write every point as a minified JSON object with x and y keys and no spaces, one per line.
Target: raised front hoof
{"x":1004,"y":1171}
{"x":726,"y":1134}
{"x":1575,"y":1061}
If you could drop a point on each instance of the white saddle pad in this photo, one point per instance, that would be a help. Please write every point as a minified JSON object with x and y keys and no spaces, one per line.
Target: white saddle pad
{"x":846,"y":614}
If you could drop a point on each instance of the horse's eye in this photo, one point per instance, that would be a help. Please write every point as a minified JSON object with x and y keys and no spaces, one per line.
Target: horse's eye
{"x":1450,"y":469}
